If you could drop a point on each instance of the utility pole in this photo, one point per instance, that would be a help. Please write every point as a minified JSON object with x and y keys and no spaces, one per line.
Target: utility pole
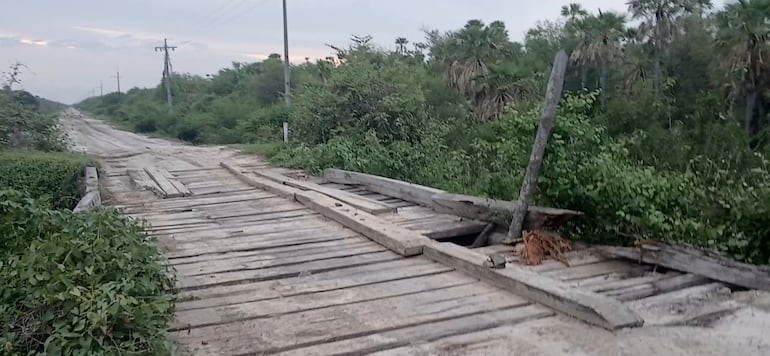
{"x":166,"y":69}
{"x":118,"y":78}
{"x":286,"y":71}
{"x":101,"y":89}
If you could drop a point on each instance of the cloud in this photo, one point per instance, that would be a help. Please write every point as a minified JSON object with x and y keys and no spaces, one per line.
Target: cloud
{"x":41,"y":43}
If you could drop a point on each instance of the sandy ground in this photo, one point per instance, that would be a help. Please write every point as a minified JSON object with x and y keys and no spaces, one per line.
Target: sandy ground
{"x":745,"y":330}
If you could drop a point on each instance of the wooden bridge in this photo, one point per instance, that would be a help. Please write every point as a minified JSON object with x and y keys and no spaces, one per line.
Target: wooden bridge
{"x":271,"y":261}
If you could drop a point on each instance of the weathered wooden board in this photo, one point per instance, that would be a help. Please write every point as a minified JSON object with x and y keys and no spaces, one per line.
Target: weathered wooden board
{"x":167,"y":189}
{"x":357,"y":201}
{"x":469,"y":306}
{"x":391,"y":187}
{"x":700,"y":262}
{"x":499,"y":211}
{"x":400,"y":240}
{"x":589,"y":307}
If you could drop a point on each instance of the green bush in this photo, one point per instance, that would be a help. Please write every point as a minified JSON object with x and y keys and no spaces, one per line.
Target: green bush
{"x":584,"y":169}
{"x":86,"y":284}
{"x":53,"y":176}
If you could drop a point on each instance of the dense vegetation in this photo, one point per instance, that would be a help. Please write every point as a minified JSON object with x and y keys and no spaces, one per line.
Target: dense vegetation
{"x":72,"y":284}
{"x":51,"y":176}
{"x":661,"y":134}
{"x":78,"y":283}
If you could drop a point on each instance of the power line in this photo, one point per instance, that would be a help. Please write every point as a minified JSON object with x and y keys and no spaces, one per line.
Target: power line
{"x":226,"y":11}
{"x":237,"y":14}
{"x":167,"y":70}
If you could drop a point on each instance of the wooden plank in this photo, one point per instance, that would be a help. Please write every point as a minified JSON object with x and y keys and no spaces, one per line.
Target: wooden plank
{"x":395,"y":238}
{"x":597,"y":269}
{"x":590,"y":307}
{"x":142,"y":180}
{"x":90,"y":201}
{"x":357,"y":201}
{"x":169,"y":191}
{"x":499,"y":211}
{"x":304,"y":302}
{"x":258,"y":245}
{"x":529,"y":183}
{"x":264,"y":184}
{"x":258,"y":262}
{"x":657,"y":287}
{"x":422,"y":333}
{"x":310,"y":283}
{"x":701,"y":262}
{"x":282,"y":333}
{"x":175,"y":182}
{"x":262,"y":274}
{"x":400,"y":240}
{"x":686,"y":306}
{"x":391,"y":187}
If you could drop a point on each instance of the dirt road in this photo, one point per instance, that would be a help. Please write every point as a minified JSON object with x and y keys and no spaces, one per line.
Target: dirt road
{"x":244,"y":318}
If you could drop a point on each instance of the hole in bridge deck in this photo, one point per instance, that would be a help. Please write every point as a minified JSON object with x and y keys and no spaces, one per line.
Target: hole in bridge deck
{"x":462,"y":240}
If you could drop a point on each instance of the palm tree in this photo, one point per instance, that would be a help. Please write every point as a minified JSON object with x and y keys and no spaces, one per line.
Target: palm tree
{"x":469,"y":54}
{"x":659,"y":23}
{"x":744,"y":36}
{"x":401,"y":43}
{"x":575,"y":25}
{"x":602,"y":46}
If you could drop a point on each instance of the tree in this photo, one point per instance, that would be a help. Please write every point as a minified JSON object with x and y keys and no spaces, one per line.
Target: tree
{"x":401,"y":43}
{"x":601,"y":46}
{"x":744,"y":36}
{"x":576,"y":27}
{"x":659,"y":24}
{"x":468,"y":56}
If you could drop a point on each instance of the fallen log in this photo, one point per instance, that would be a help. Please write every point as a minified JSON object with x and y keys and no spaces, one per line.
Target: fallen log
{"x":499,"y":211}
{"x":700,"y":262}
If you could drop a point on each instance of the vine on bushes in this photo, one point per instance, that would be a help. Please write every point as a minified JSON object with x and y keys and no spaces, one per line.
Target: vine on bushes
{"x":78,"y":283}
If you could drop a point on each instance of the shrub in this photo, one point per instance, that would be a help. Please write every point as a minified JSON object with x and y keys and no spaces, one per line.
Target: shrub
{"x":78,"y":283}
{"x":53,"y":176}
{"x":584,"y":169}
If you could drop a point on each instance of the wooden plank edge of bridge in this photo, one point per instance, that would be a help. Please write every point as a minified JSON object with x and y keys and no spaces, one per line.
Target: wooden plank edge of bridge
{"x":92,"y":198}
{"x":469,"y":207}
{"x":357,"y":201}
{"x":589,"y":307}
{"x":704,"y":263}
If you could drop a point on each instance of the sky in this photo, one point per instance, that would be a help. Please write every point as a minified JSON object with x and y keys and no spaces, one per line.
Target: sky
{"x":74,"y":47}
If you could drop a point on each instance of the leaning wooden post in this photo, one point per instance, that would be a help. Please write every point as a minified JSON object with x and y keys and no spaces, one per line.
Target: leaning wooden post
{"x":528,"y":187}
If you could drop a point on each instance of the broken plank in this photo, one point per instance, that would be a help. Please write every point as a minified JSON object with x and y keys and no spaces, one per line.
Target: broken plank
{"x":657,"y":287}
{"x":696,"y":261}
{"x":360,"y":202}
{"x":590,"y":307}
{"x":168,"y":189}
{"x":499,"y":211}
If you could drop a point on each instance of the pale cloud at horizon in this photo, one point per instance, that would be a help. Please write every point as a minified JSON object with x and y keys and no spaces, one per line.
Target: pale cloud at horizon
{"x":71,"y":47}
